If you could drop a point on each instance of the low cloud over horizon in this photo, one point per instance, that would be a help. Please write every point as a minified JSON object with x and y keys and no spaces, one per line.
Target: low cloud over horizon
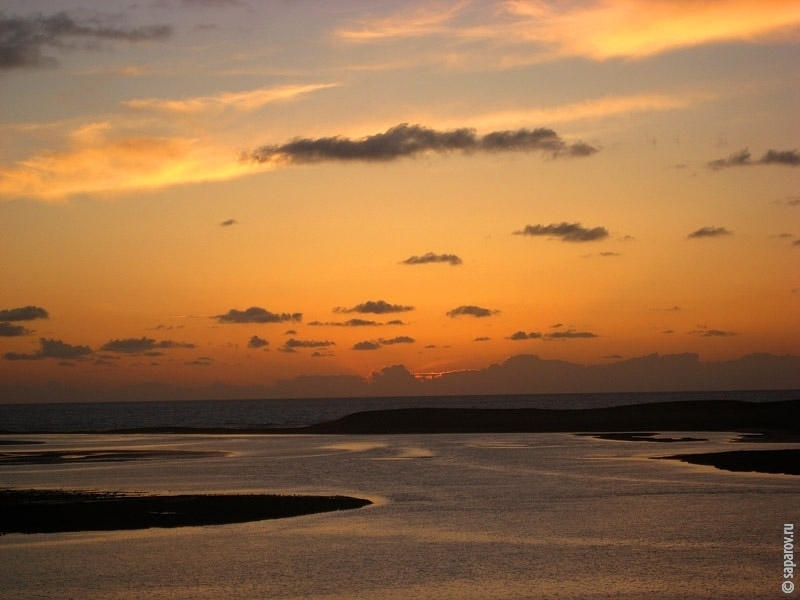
{"x":567,"y":232}
{"x":406,"y":141}
{"x":51,"y":348}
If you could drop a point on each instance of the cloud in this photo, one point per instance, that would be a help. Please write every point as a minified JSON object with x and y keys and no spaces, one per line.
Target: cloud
{"x":743,"y":158}
{"x":245,"y":101}
{"x":405,"y":141}
{"x":568,"y":232}
{"x":257,"y":342}
{"x":366,"y":345}
{"x":97,"y":161}
{"x":9,"y":330}
{"x":521,"y":335}
{"x":351,"y":323}
{"x":598,"y":29}
{"x":292,"y":344}
{"x":376,"y":344}
{"x":50,"y":348}
{"x":23,"y":39}
{"x":256,"y":314}
{"x":25,"y":313}
{"x":475,"y":311}
{"x":705,"y":332}
{"x":606,"y":29}
{"x":410,"y":23}
{"x":228,"y":222}
{"x":481,"y":339}
{"x":142,"y":345}
{"x":570,"y":334}
{"x":430,"y":257}
{"x":202,"y":361}
{"x":709,"y":232}
{"x":378,"y":307}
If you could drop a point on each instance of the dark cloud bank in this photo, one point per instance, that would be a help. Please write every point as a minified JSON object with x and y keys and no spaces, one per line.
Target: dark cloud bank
{"x":521,"y":374}
{"x":405,"y":141}
{"x":23,"y":39}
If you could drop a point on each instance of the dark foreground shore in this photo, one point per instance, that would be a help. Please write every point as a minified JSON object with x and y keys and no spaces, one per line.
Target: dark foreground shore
{"x":786,"y":462}
{"x":56,"y":511}
{"x":711,"y":415}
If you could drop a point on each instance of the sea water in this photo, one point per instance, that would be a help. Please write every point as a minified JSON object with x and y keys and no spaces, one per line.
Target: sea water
{"x":458,"y":516}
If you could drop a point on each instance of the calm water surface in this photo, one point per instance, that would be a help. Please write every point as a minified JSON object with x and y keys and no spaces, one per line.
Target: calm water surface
{"x":455,"y":516}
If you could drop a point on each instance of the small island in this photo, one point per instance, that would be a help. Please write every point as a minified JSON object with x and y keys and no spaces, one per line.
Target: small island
{"x":58,"y":511}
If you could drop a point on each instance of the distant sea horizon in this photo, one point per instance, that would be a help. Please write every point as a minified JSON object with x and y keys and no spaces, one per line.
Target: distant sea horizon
{"x":252,"y":414}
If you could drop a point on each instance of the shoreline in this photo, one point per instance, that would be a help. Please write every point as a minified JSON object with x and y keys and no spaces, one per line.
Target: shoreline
{"x":62,"y":511}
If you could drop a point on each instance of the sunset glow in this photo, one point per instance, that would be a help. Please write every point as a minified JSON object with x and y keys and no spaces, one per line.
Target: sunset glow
{"x":232,"y":194}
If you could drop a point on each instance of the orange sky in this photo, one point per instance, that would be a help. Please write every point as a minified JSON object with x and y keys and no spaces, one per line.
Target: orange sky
{"x":441,"y":185}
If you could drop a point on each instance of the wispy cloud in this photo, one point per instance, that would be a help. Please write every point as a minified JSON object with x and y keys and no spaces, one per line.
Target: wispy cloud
{"x":377,"y":307}
{"x":98,"y":162}
{"x":743,"y":158}
{"x":51,"y":348}
{"x":244,"y":101}
{"x":709,"y":232}
{"x":603,"y":29}
{"x":24,"y":39}
{"x":430,"y":257}
{"x":376,"y":344}
{"x":228,"y":222}
{"x":411,"y":22}
{"x":597,"y":29}
{"x":406,"y":141}
{"x":567,"y":232}
{"x":471,"y":310}
{"x":256,"y":314}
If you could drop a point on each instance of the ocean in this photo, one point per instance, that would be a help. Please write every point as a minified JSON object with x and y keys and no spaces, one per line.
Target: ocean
{"x":455,"y":516}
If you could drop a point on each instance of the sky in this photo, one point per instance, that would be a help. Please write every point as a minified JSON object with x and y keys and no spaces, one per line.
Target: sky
{"x":240,"y":194}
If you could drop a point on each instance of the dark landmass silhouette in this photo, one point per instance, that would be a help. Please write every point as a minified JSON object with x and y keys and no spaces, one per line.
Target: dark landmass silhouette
{"x":786,"y":462}
{"x":56,"y":511}
{"x":700,"y":415}
{"x":519,"y":374}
